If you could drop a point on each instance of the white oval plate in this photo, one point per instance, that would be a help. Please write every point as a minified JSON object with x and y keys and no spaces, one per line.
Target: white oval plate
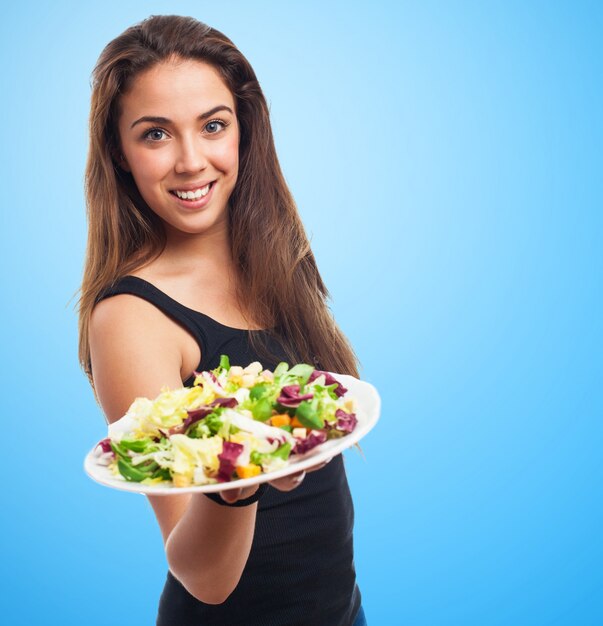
{"x":368,"y":407}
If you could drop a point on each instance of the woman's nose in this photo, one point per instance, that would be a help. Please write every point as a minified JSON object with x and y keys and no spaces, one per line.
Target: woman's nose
{"x":191,"y":156}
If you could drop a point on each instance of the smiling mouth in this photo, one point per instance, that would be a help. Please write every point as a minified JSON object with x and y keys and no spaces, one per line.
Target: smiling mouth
{"x":191,"y":196}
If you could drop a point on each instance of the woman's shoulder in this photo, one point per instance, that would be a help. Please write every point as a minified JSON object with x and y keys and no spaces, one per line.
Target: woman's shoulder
{"x":126,"y":319}
{"x":125,"y":336}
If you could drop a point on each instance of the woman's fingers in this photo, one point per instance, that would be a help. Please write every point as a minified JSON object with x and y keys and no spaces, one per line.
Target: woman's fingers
{"x":290,"y":482}
{"x":319,"y":466}
{"x":232,"y":495}
{"x":287,"y":483}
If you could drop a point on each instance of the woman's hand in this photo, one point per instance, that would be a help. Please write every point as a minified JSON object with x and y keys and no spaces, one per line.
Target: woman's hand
{"x":287,"y":483}
{"x":290,"y":482}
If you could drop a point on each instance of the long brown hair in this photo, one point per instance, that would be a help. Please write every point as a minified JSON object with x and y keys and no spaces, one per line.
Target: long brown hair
{"x":283,"y":288}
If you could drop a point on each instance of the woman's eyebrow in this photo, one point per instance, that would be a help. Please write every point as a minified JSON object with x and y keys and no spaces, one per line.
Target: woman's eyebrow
{"x":165,"y":120}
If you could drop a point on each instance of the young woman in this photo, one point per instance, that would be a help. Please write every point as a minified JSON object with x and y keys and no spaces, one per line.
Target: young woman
{"x":195,"y":249}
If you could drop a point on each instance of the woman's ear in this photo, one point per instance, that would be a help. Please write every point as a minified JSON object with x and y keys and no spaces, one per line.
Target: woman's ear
{"x":120,"y":159}
{"x":123,"y":163}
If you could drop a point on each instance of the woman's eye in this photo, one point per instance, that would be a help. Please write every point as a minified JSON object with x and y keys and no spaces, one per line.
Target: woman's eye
{"x":154,"y":134}
{"x":211,"y":126}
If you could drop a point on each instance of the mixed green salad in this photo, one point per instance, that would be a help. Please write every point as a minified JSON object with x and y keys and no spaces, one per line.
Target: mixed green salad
{"x":233,"y":423}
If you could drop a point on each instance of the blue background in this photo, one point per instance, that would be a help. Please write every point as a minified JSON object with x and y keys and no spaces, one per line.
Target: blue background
{"x":446,"y":160}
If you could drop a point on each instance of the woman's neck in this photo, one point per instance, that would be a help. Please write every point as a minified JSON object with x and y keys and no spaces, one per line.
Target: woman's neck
{"x":208,"y":253}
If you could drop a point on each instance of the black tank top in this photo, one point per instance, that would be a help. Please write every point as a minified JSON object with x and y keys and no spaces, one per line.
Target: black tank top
{"x":300,"y":570}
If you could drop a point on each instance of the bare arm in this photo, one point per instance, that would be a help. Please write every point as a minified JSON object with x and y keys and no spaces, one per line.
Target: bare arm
{"x":134,"y":352}
{"x":208,"y":548}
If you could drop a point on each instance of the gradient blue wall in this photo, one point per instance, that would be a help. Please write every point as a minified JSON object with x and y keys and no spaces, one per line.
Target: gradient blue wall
{"x":446,"y":159}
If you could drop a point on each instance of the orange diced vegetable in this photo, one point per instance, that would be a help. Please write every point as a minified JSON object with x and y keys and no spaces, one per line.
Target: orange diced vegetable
{"x":280,"y":420}
{"x":248,"y":471}
{"x":296,"y":423}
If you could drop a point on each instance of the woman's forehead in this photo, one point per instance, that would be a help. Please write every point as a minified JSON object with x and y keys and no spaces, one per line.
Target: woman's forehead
{"x":177,"y":88}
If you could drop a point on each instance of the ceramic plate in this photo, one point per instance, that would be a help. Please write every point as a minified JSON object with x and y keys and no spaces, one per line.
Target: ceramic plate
{"x":368,"y":406}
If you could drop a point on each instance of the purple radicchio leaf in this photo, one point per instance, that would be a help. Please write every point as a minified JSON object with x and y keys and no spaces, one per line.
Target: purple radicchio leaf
{"x":105,"y":444}
{"x":340,"y":390}
{"x":211,"y":376}
{"x":208,"y":376}
{"x":230,"y":453}
{"x":196,"y":415}
{"x":279,"y":440}
{"x":345,"y":421}
{"x":315,"y":438}
{"x":290,"y":396}
{"x":229,"y":403}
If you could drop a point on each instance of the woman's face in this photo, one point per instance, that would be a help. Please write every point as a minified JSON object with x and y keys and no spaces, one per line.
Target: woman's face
{"x":178,"y":131}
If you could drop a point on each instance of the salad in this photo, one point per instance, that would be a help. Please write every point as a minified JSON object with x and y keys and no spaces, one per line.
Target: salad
{"x":233,"y":423}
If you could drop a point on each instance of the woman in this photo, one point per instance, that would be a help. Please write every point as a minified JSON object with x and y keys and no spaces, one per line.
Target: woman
{"x":196,"y":249}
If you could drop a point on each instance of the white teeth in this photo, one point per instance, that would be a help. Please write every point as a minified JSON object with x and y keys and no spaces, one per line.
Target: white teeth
{"x":193,"y":195}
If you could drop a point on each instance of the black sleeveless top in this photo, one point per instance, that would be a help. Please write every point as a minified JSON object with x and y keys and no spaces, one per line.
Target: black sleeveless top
{"x":300,"y":570}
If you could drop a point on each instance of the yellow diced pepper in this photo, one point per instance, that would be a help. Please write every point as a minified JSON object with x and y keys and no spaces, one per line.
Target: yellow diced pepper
{"x":248,"y":471}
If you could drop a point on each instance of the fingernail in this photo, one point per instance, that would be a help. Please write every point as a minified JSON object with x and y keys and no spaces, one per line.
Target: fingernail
{"x":232,"y":497}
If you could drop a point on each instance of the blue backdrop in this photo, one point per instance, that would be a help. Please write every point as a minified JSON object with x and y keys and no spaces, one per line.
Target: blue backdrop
{"x":446,"y":160}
